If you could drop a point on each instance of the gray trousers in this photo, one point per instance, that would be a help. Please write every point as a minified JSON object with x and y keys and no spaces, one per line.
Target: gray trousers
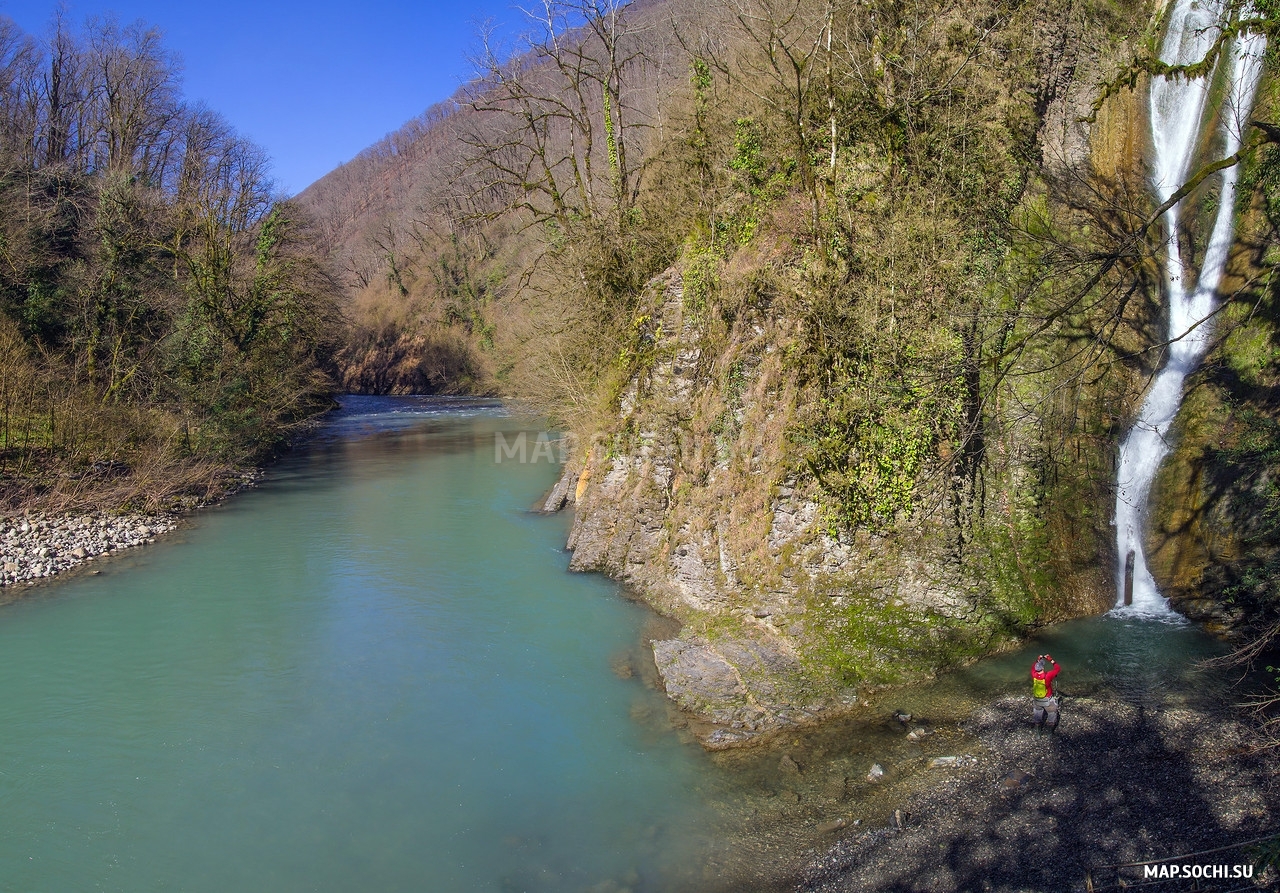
{"x":1045,"y":711}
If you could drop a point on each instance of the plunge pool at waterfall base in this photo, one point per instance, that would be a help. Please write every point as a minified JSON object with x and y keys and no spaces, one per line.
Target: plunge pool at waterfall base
{"x":375,"y":672}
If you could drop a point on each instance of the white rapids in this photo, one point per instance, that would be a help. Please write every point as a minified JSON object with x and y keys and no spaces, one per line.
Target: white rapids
{"x":1178,"y":108}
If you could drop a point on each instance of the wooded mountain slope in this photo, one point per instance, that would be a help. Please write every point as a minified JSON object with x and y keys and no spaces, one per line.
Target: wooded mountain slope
{"x":849,"y":305}
{"x":163,"y":317}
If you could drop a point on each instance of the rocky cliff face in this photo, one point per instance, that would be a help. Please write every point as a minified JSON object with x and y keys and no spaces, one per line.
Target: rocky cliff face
{"x":1214,"y":542}
{"x":687,"y":501}
{"x":695,"y":494}
{"x":1213,"y":538}
{"x":693,"y":499}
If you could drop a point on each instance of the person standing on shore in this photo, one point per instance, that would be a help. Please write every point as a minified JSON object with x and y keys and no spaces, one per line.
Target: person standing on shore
{"x":1045,"y":712}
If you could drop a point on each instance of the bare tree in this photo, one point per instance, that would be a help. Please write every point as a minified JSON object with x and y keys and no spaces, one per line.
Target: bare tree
{"x":783,"y":67}
{"x":19,"y":62}
{"x":560,"y":133}
{"x":60,"y":108}
{"x":135,"y":98}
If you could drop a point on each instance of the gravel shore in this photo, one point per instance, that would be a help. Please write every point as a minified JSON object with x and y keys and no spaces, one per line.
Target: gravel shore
{"x":35,"y":547}
{"x":1118,"y":782}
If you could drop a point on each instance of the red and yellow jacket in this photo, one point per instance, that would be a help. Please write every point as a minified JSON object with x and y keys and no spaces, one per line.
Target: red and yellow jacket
{"x":1043,"y":678}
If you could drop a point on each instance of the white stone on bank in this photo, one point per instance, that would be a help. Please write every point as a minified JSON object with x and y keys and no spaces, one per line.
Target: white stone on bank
{"x":37,"y":546}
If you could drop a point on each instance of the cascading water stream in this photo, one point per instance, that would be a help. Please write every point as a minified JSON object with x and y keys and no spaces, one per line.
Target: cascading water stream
{"x":1178,"y":109}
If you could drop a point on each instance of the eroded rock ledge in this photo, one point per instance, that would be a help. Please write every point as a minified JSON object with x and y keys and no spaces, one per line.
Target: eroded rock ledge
{"x":692,"y":500}
{"x":742,"y":686}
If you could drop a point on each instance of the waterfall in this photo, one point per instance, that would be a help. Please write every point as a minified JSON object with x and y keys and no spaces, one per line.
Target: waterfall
{"x":1178,"y":108}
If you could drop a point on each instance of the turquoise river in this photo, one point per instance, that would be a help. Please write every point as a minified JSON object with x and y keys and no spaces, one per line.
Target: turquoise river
{"x":374,"y":672}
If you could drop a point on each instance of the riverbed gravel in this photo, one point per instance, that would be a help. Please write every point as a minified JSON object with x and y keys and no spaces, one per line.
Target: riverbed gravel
{"x":35,"y":547}
{"x":1119,"y":782}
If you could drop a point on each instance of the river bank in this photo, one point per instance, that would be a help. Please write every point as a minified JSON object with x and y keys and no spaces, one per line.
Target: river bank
{"x":1122,"y":780}
{"x":944,"y":785}
{"x":327,"y":621}
{"x":36,"y":545}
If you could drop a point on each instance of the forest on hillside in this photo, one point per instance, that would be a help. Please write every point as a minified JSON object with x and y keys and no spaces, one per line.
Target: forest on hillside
{"x":878,"y":174}
{"x":918,"y":278}
{"x":164,"y":316}
{"x":904,"y":253}
{"x":860,"y":165}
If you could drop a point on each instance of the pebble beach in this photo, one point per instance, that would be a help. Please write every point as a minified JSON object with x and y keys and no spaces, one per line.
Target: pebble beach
{"x":36,"y":547}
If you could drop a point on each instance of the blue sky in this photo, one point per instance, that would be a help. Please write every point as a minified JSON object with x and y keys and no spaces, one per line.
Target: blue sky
{"x":312,"y":83}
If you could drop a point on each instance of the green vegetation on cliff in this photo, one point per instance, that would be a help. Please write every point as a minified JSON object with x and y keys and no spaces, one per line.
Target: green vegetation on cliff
{"x":857,"y":300}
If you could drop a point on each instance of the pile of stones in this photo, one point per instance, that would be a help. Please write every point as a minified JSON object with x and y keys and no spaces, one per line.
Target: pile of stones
{"x":34,"y":547}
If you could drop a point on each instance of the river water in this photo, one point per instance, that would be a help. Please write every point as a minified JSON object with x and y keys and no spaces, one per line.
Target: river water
{"x":375,"y":672}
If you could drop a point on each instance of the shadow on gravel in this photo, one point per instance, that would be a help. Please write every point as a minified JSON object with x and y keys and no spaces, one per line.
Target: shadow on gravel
{"x":1117,"y":783}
